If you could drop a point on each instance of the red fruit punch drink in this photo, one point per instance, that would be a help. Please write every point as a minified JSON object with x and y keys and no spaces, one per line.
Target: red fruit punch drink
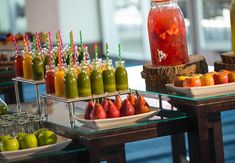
{"x":49,"y":80}
{"x":167,"y":35}
{"x":19,"y":65}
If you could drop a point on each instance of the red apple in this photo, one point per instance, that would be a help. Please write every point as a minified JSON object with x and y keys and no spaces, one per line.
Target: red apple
{"x":221,"y":78}
{"x":207,"y":80}
{"x":231,"y":76}
{"x":193,"y":81}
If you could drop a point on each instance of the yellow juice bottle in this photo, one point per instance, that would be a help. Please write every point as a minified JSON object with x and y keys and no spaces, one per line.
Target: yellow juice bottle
{"x":27,"y":66}
{"x":232,"y":19}
{"x":59,"y":82}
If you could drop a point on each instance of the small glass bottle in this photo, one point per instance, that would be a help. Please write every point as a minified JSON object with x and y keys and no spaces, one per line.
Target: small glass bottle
{"x":27,"y":66}
{"x":109,"y":77}
{"x":50,"y":80}
{"x":59,"y":82}
{"x":84,"y":83}
{"x":232,"y":20}
{"x":18,"y":64}
{"x":70,"y":84}
{"x":167,"y":34}
{"x":38,"y":67}
{"x":97,"y":85}
{"x":121,"y":76}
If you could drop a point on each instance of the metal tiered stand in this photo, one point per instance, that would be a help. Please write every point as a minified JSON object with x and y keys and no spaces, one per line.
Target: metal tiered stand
{"x":45,"y":97}
{"x":70,"y":102}
{"x":32,"y":82}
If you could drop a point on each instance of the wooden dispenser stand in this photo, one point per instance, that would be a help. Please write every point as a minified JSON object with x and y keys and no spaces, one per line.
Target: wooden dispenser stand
{"x":227,"y":63}
{"x":157,"y":76}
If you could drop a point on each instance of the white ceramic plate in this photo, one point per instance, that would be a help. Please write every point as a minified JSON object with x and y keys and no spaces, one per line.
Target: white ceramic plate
{"x":115,"y":122}
{"x":204,"y":91}
{"x":62,"y":142}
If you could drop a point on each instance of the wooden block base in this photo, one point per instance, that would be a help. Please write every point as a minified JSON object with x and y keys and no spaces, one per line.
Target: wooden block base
{"x":157,"y":76}
{"x":219,"y":65}
{"x":228,"y":57}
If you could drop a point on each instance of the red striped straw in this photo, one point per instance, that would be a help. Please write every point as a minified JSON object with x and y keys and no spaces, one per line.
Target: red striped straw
{"x":38,"y":42}
{"x":60,"y":57}
{"x":25,"y":44}
{"x":16,"y":46}
{"x":50,"y":47}
{"x":27,"y":41}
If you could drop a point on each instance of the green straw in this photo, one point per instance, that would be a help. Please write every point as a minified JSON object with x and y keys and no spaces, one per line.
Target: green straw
{"x":81,"y":43}
{"x":96,"y":54}
{"x":107,"y":52}
{"x":119,"y":53}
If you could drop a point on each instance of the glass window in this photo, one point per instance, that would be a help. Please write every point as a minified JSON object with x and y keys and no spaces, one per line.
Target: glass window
{"x":129,"y":22}
{"x":215,"y":25}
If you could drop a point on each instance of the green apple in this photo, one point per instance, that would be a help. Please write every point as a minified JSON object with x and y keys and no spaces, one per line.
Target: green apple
{"x":20,"y":135}
{"x":9,"y":144}
{"x":37,"y":132}
{"x":46,"y":138}
{"x":5,"y":136}
{"x":28,"y":141}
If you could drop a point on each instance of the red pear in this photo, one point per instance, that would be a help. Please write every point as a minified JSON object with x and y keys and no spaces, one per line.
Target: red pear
{"x":118,"y":102}
{"x":98,"y":112}
{"x":141,"y":106}
{"x":89,"y":107}
{"x":127,"y":108}
{"x":105,"y":104}
{"x":132,"y":98}
{"x":113,"y":111}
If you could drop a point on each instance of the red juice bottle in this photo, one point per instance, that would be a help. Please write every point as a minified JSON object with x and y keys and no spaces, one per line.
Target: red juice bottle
{"x":19,"y":65}
{"x":50,"y":80}
{"x":167,"y":34}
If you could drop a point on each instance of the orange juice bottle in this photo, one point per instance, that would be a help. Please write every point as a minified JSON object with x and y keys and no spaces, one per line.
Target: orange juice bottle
{"x":59,"y":82}
{"x":27,"y":66}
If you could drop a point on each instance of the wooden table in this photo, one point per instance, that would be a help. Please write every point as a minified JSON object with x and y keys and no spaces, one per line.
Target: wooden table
{"x":109,"y":145}
{"x":205,"y":137}
{"x":205,"y":130}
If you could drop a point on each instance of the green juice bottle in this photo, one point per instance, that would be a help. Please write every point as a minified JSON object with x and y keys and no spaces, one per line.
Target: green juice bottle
{"x":121,"y":76}
{"x":84,"y":83}
{"x":70,"y":84}
{"x":109,"y":77}
{"x":97,"y":86}
{"x":38,"y":67}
